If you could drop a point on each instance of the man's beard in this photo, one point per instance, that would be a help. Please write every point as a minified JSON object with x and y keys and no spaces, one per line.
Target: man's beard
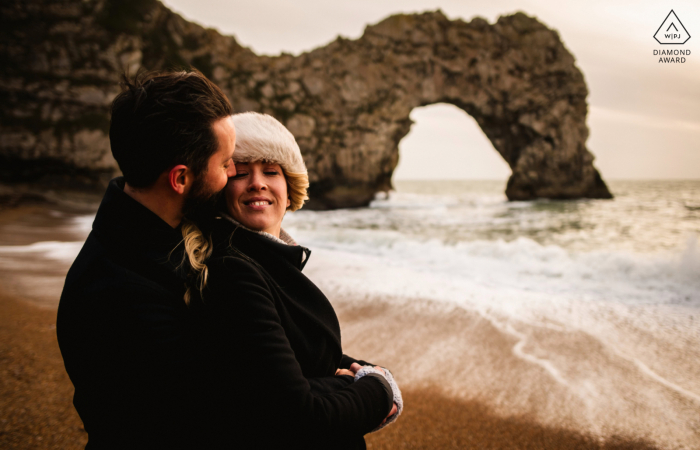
{"x":201,"y":203}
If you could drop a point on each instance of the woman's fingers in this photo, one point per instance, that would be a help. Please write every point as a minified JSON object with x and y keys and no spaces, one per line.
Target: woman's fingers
{"x":354,"y":367}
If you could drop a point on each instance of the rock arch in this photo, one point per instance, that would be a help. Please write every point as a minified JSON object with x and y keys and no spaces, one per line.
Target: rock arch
{"x":348,"y":103}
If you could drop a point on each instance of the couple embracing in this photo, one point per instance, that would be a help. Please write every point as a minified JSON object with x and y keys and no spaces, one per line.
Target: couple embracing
{"x":186,"y":320}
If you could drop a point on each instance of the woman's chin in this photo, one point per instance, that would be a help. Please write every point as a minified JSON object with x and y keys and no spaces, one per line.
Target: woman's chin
{"x":255,"y":225}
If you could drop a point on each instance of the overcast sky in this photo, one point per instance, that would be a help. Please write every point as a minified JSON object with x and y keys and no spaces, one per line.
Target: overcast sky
{"x":644,"y":117}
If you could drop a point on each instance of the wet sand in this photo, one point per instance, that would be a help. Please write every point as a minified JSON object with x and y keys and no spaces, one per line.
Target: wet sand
{"x":463,"y":387}
{"x":434,"y":421}
{"x":467,"y":387}
{"x":36,"y":395}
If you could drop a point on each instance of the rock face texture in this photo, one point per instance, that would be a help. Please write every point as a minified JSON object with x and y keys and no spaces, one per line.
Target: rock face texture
{"x":348,"y":103}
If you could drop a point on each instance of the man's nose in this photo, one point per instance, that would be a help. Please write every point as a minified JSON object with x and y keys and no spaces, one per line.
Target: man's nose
{"x":231,"y":172}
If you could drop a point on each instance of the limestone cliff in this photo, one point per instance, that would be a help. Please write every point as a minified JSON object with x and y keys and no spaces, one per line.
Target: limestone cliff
{"x":348,"y":103}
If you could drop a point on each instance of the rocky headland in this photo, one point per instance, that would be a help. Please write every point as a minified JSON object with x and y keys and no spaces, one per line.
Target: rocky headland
{"x":347,"y":103}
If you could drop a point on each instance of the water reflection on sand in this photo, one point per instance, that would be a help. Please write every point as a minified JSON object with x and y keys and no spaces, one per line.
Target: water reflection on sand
{"x":37,"y":247}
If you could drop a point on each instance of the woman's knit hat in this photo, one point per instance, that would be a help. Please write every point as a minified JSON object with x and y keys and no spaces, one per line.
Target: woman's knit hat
{"x":260,"y":137}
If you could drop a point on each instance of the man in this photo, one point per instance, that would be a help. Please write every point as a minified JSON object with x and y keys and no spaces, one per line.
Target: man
{"x":126,"y":335}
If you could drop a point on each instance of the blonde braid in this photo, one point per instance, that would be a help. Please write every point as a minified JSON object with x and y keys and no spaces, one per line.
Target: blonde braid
{"x":198,"y":248}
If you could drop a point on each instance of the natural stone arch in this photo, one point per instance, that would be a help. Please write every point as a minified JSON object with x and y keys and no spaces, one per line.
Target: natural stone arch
{"x":348,"y":103}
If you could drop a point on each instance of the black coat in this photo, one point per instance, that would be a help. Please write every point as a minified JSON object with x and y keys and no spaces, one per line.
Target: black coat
{"x":126,"y":335}
{"x":276,"y":338}
{"x":151,"y":373}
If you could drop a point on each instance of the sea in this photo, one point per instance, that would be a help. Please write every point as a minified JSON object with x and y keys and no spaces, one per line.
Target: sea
{"x":623,"y":272}
{"x":598,"y":300}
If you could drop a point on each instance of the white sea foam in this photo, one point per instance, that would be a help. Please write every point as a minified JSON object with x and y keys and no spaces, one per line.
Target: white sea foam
{"x":451,"y":272}
{"x":52,"y":250}
{"x":645,"y":217}
{"x":83,"y":224}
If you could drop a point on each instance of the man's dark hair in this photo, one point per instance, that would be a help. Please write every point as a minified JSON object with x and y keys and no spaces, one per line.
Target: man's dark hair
{"x":160,"y":120}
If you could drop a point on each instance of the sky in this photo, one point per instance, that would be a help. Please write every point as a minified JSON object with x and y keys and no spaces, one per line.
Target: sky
{"x":644,"y":117}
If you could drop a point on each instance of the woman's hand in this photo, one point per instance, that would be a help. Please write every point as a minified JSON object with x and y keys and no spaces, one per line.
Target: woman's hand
{"x":354,"y":367}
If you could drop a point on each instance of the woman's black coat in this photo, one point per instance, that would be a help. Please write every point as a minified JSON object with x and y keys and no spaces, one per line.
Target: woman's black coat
{"x":276,"y":336}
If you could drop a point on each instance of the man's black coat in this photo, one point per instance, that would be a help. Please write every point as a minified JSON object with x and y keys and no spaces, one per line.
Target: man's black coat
{"x":149,"y":372}
{"x":125,"y":333}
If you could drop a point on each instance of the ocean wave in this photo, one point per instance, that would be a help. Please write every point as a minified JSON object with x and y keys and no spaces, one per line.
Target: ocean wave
{"x":83,"y":224}
{"x":61,"y":251}
{"x":451,"y":271}
{"x":645,"y":217}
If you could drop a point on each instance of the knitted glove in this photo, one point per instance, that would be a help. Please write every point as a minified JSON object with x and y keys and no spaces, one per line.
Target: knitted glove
{"x":394,"y":387}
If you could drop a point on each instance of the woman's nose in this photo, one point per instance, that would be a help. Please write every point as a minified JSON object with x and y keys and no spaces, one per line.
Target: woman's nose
{"x":257,"y":181}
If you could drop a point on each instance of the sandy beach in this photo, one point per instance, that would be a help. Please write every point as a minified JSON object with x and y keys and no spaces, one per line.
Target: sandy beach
{"x":36,"y":409}
{"x":452,"y":399}
{"x":37,"y":413}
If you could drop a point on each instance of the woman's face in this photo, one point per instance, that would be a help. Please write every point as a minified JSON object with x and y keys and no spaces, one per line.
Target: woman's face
{"x":257,"y":196}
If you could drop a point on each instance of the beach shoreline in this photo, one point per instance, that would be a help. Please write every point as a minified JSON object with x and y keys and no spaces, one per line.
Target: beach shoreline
{"x":37,"y":410}
{"x":466,"y":388}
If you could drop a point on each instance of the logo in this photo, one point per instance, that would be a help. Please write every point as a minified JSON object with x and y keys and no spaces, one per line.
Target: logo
{"x":672,"y":31}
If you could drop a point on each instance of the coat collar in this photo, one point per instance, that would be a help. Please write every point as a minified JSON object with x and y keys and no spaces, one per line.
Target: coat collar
{"x":284,"y":246}
{"x":283,"y":264}
{"x":123,"y":221}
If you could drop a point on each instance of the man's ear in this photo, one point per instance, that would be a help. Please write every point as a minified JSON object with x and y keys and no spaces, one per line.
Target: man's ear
{"x":179,"y":178}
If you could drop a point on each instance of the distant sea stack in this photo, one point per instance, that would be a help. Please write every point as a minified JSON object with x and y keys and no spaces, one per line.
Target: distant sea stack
{"x":347,"y":103}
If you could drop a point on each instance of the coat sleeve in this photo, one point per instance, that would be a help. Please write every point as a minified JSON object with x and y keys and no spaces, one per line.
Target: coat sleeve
{"x":245,"y":319}
{"x":346,"y":361}
{"x":328,"y":385}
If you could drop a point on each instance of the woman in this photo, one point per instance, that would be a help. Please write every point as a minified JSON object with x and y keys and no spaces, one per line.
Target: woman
{"x":270,"y":325}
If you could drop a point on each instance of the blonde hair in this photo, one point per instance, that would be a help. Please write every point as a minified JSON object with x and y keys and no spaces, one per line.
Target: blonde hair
{"x":297,"y":186}
{"x":198,"y":249}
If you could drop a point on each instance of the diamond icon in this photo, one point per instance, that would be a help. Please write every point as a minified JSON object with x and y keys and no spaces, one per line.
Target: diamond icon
{"x":672,"y":31}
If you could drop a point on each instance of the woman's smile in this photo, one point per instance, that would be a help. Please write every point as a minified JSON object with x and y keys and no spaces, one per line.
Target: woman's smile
{"x":257,"y":196}
{"x":258,"y":203}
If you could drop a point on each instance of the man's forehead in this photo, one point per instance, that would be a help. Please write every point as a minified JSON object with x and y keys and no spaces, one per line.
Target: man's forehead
{"x":226,"y":132}
{"x":265,"y":162}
